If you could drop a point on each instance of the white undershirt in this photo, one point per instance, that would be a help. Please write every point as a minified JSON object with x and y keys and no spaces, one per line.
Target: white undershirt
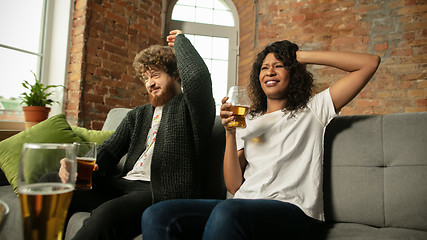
{"x":141,"y":170}
{"x":285,"y":155}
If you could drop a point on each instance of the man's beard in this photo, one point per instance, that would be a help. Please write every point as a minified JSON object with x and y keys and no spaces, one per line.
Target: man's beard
{"x":167,"y":93}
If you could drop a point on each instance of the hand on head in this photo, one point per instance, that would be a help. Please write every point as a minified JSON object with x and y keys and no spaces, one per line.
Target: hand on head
{"x":172,"y":35}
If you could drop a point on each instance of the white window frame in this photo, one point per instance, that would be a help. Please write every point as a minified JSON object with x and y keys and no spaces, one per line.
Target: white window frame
{"x":57,"y":43}
{"x":232,"y":33}
{"x":53,"y":56}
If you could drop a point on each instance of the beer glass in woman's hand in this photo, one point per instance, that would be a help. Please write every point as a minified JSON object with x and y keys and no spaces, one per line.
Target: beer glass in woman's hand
{"x":239,"y":100}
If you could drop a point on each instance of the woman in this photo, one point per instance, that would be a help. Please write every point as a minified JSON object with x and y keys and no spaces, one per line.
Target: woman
{"x":273,"y":166}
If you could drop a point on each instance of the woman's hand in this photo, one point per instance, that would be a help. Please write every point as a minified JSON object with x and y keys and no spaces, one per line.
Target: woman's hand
{"x":226,"y":116}
{"x":172,"y":35}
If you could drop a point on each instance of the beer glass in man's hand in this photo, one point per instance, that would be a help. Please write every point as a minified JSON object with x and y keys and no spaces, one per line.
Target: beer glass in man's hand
{"x":44,"y":203}
{"x":239,"y":100}
{"x":86,"y":158}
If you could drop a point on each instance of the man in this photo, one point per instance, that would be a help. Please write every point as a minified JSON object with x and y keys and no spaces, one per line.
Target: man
{"x":164,"y":141}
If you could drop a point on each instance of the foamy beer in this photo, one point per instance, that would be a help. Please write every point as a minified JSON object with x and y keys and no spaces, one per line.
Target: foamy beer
{"x":45,"y":201}
{"x":86,"y":158}
{"x":239,"y":100}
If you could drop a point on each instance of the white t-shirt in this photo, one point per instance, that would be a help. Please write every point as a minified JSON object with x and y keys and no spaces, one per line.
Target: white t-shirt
{"x":285,"y":155}
{"x":142,"y":168}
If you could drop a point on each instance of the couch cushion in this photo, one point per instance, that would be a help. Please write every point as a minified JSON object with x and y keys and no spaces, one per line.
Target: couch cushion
{"x":380,"y":160}
{"x":353,"y":170}
{"x":53,"y":130}
{"x":75,"y":223}
{"x":405,"y":174}
{"x":349,"y":231}
{"x":12,"y":228}
{"x":91,"y":135}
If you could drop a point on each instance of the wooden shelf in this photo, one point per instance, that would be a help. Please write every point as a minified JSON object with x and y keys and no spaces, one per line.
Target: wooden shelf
{"x":8,"y":129}
{"x":7,"y":133}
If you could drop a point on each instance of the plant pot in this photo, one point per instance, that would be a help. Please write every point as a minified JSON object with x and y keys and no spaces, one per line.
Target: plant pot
{"x":34,"y":115}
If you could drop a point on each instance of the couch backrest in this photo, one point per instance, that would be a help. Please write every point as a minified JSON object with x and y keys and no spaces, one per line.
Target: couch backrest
{"x":213,"y":176}
{"x":114,"y":117}
{"x":376,"y":170}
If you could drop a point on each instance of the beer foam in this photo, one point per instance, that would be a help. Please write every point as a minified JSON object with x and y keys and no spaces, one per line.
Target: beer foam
{"x":45,"y":188}
{"x":86,"y":159}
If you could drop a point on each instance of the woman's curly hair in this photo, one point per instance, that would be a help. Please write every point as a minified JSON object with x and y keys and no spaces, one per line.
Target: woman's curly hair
{"x":156,"y":57}
{"x":301,"y":81}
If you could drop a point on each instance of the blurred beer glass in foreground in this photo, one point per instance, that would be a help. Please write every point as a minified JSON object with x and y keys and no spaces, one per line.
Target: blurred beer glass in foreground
{"x":239,"y":100}
{"x":86,"y":158}
{"x":4,"y":211}
{"x":45,"y":204}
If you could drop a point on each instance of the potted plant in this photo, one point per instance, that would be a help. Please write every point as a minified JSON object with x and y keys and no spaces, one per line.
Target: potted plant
{"x":36,"y":101}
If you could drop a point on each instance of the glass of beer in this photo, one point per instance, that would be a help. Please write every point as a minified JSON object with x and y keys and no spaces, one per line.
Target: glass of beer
{"x":43,"y":194}
{"x":4,"y":211}
{"x":239,"y":100}
{"x":86,"y":158}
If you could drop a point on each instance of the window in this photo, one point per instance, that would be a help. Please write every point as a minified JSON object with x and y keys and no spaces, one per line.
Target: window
{"x":203,"y":11}
{"x":212,"y":28}
{"x":20,"y":46}
{"x":33,"y":39}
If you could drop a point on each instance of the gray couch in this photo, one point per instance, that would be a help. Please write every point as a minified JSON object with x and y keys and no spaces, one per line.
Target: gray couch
{"x":375,"y":179}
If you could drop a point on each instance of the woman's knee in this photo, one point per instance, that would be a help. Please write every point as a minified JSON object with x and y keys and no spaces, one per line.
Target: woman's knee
{"x":226,"y":220}
{"x":173,"y":209}
{"x":229,"y":208}
{"x":155,"y":213}
{"x":182,"y":219}
{"x":226,"y":213}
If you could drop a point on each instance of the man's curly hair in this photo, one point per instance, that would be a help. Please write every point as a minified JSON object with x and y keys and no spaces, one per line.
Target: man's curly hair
{"x":156,"y":57}
{"x":301,"y":81}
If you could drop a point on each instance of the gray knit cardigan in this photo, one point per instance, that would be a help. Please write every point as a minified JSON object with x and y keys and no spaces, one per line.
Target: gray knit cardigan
{"x":182,"y":138}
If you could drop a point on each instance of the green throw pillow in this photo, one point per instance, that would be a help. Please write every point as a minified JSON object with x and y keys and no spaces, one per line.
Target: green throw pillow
{"x":53,"y":130}
{"x":91,"y":135}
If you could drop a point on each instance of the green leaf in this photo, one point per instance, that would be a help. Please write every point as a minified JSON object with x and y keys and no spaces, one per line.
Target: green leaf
{"x":38,"y":95}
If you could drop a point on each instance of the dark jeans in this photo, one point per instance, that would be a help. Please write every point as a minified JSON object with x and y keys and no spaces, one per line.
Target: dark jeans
{"x":116,"y":206}
{"x":226,"y":219}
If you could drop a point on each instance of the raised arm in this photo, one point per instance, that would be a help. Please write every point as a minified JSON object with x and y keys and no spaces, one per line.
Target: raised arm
{"x":195,"y":77}
{"x":361,"y":68}
{"x":234,"y":161}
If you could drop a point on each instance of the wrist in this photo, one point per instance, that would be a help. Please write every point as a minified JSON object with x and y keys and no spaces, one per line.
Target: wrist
{"x":230,"y":132}
{"x":300,"y":56}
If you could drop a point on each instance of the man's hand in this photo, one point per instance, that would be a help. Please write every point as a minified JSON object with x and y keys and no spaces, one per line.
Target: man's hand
{"x":64,"y":172}
{"x":172,"y":35}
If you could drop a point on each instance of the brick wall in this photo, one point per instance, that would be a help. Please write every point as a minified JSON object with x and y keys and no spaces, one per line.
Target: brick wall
{"x":247,"y":31}
{"x":106,"y":35}
{"x":396,"y":30}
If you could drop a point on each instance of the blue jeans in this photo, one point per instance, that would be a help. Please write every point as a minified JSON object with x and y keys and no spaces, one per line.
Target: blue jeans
{"x":226,"y":219}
